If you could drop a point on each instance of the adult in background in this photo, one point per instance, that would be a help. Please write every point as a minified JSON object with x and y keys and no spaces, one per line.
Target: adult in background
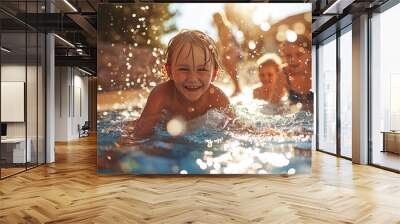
{"x":229,"y":50}
{"x":296,"y":58}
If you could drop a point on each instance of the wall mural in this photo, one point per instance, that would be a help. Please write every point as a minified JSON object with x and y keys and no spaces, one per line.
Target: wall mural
{"x":227,"y":92}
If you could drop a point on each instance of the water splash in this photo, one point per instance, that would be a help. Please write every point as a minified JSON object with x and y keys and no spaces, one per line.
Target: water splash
{"x":258,"y":140}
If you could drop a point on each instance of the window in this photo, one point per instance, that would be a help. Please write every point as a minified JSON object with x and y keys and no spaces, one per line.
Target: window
{"x":22,"y":76}
{"x":327,"y":96}
{"x":385,"y":88}
{"x":346,"y":93}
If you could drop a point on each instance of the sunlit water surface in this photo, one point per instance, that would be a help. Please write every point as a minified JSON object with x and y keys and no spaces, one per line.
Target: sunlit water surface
{"x":259,"y":141}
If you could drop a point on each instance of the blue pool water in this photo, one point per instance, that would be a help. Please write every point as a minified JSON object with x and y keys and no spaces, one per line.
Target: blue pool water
{"x":262,"y":140}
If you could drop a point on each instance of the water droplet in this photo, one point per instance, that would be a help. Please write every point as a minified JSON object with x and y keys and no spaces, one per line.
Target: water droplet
{"x":176,"y":126}
{"x":265,"y":26}
{"x":252,"y":45}
{"x":291,"y":36}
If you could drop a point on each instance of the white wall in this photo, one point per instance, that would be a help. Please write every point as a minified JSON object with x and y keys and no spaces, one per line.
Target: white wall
{"x":14,"y":73}
{"x":71,"y":93}
{"x":80,"y":110}
{"x":61,"y":104}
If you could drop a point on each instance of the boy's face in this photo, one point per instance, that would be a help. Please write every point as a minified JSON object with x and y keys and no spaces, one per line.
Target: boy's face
{"x":298,"y":69}
{"x":296,"y":58}
{"x":267,"y":74}
{"x":192,"y":71}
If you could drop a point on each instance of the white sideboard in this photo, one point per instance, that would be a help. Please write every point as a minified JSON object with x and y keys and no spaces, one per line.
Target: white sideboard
{"x":18,"y":149}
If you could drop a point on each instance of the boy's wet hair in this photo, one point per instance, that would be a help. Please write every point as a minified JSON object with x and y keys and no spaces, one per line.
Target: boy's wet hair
{"x":301,"y":41}
{"x":193,"y":37}
{"x":269,"y":59}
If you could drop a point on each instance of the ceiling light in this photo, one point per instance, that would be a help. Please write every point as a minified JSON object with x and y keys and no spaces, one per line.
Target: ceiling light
{"x":70,"y":5}
{"x":337,"y":7}
{"x":5,"y":50}
{"x":84,"y":71}
{"x":65,"y":41}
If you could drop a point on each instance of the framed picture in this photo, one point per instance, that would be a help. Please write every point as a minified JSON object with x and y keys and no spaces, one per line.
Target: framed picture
{"x":227,"y":92}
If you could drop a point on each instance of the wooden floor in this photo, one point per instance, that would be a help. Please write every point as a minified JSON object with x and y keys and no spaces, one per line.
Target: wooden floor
{"x":10,"y":171}
{"x":70,"y":191}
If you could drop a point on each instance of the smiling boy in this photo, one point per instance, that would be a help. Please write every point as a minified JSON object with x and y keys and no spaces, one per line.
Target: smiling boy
{"x":192,"y":64}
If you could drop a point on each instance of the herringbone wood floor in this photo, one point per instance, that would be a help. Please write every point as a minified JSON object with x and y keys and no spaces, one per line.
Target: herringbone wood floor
{"x":70,"y":191}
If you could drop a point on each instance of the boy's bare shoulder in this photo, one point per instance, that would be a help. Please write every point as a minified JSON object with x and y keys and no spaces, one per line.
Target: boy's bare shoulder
{"x":218,"y":97}
{"x":160,"y":95}
{"x":163,"y":89}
